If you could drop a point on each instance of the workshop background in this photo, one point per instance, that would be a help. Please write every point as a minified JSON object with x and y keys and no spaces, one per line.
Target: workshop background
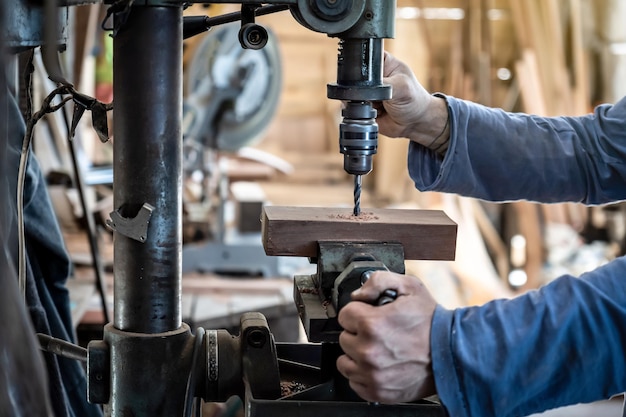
{"x":547,"y":57}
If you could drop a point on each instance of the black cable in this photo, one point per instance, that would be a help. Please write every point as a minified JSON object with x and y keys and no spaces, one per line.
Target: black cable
{"x":91,"y":229}
{"x":33,"y":118}
{"x":191,"y":381}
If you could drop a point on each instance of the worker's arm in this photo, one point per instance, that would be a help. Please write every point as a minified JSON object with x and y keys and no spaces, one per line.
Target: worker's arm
{"x":461,"y":147}
{"x":498,"y":156}
{"x":560,"y":345}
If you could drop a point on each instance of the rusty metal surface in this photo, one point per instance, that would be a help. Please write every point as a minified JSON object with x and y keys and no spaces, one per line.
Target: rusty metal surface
{"x":148,"y":168}
{"x":25,"y":24}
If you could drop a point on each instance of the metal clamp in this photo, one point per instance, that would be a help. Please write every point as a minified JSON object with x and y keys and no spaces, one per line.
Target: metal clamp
{"x":132,"y":227}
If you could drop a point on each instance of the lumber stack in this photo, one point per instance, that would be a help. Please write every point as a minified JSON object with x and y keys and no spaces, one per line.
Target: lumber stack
{"x":612,"y":44}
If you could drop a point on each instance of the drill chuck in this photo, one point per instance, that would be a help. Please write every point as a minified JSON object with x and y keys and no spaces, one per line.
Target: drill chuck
{"x":358,"y":137}
{"x":359,"y":83}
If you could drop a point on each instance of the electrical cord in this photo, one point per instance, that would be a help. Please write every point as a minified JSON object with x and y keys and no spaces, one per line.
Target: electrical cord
{"x":33,"y":118}
{"x":191,"y":381}
{"x":83,"y":102}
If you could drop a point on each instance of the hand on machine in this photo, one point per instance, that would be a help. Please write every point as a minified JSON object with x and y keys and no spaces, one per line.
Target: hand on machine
{"x":368,"y":340}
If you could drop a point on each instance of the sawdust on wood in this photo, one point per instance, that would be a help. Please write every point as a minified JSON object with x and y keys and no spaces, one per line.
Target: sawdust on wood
{"x":363,"y":216}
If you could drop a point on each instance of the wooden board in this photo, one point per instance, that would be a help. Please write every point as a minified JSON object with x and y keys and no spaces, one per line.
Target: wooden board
{"x":296,"y":231}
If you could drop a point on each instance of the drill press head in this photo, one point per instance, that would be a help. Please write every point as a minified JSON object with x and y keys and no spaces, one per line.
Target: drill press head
{"x":359,"y":83}
{"x":361,"y":26}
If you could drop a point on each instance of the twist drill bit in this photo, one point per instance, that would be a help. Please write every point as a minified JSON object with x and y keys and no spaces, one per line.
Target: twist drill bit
{"x":357,"y":195}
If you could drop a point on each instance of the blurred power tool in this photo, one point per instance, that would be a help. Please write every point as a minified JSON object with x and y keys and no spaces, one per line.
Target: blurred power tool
{"x":232,"y":93}
{"x":232,"y":96}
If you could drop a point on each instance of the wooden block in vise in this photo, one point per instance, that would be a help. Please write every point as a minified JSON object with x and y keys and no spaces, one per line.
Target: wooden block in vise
{"x":296,"y":231}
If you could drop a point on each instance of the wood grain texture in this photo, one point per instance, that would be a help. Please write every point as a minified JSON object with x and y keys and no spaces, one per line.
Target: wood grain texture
{"x":296,"y":231}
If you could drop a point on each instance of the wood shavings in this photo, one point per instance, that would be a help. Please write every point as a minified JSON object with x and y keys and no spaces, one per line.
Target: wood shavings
{"x":363,"y":216}
{"x":291,"y":387}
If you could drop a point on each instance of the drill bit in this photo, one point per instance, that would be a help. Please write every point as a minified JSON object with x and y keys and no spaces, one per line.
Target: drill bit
{"x":357,"y":195}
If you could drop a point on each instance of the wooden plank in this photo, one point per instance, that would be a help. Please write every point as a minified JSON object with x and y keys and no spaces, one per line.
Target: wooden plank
{"x":296,"y":231}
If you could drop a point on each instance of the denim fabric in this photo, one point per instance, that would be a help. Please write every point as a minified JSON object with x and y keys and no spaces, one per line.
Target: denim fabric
{"x":48,"y":268}
{"x":23,"y":383}
{"x":565,"y":343}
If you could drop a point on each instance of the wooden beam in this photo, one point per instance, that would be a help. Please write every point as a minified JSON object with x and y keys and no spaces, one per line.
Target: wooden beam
{"x":296,"y":231}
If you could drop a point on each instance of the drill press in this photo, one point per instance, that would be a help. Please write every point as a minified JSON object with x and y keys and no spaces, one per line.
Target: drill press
{"x":359,"y":83}
{"x":147,"y":335}
{"x":149,"y":363}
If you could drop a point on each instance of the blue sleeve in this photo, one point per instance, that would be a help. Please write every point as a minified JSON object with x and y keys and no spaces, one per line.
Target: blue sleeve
{"x":500,"y":156}
{"x":560,"y":345}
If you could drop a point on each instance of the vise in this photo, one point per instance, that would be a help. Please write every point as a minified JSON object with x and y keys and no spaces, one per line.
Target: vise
{"x":342,"y":267}
{"x":346,"y":249}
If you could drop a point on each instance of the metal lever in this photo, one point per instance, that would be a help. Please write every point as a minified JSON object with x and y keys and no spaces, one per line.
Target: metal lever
{"x":136,"y":227}
{"x":386,"y":297}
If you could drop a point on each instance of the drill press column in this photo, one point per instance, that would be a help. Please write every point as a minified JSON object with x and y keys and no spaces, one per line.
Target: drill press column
{"x":148,"y":168}
{"x":146,"y":358}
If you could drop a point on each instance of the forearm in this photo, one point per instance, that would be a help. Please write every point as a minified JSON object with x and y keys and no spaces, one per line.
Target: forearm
{"x":560,"y":345}
{"x":501,"y":156}
{"x":433,"y":130}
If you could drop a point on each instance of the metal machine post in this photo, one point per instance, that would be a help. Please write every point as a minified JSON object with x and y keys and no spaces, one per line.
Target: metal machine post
{"x":147,"y":335}
{"x":148,"y":168}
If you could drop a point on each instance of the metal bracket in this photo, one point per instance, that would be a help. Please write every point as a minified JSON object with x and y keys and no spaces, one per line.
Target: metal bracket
{"x":340,"y":266}
{"x":132,"y":227}
{"x":334,"y":258}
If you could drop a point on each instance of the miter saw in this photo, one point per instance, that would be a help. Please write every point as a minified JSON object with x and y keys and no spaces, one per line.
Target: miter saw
{"x":232,"y":96}
{"x":232,"y":93}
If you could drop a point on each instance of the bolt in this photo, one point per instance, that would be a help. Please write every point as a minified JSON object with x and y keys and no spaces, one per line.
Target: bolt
{"x":256,"y":338}
{"x":365,"y":276}
{"x":254,"y":37}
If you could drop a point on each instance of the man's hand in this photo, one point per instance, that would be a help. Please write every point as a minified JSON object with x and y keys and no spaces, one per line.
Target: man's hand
{"x":387,"y":348}
{"x":412,"y":112}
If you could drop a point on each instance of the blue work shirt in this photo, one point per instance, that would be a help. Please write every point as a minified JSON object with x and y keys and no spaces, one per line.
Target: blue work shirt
{"x":566,"y":342}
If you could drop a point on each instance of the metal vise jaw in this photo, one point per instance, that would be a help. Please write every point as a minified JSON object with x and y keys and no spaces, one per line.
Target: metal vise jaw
{"x":341,"y":269}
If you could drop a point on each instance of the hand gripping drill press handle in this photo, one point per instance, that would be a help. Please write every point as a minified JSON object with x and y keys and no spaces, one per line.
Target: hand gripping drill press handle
{"x":386,"y":297}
